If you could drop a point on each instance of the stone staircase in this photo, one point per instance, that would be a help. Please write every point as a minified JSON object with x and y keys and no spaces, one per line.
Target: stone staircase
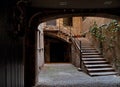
{"x":95,"y":63}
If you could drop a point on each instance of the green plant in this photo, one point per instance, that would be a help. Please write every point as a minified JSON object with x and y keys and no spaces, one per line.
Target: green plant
{"x":93,"y":29}
{"x":107,"y":33}
{"x":97,"y":32}
{"x":113,"y":27}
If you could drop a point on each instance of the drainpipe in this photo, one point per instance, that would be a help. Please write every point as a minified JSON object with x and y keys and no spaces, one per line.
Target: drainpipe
{"x":80,"y":55}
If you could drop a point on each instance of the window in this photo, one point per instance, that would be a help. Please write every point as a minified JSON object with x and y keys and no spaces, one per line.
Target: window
{"x":67,"y":21}
{"x":51,"y":22}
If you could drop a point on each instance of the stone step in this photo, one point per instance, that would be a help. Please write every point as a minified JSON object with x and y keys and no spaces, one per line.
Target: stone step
{"x":88,"y":48}
{"x":93,"y":59}
{"x":102,"y":73}
{"x":100,"y":69}
{"x":91,"y":56}
{"x":89,"y":51}
{"x":94,"y":53}
{"x":97,"y":65}
{"x":95,"y":62}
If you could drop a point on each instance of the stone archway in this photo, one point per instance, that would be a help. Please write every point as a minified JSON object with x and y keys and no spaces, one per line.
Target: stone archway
{"x":40,"y":16}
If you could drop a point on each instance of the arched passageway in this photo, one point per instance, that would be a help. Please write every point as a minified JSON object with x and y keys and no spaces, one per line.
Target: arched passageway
{"x":39,"y":16}
{"x":18,"y":25}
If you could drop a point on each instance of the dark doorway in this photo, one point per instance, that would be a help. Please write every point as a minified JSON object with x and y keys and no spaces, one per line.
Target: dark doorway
{"x":56,"y":50}
{"x":57,"y":53}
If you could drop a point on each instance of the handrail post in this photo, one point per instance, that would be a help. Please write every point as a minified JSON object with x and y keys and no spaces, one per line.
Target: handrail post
{"x":70,"y":32}
{"x":80,"y":55}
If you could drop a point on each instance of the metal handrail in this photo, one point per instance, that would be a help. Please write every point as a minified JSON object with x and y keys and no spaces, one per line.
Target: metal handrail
{"x":78,"y":46}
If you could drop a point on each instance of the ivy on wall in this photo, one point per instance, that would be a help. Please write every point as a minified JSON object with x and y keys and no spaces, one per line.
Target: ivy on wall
{"x":97,"y":32}
{"x":107,"y":33}
{"x":110,"y":28}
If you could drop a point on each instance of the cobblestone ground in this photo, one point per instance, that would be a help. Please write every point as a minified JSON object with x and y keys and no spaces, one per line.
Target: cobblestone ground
{"x":66,"y":75}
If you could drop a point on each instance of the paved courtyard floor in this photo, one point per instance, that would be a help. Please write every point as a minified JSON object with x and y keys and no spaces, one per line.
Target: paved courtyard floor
{"x":66,"y":75}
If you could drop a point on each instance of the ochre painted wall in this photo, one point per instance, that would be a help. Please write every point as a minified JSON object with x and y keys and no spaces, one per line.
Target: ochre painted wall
{"x":77,"y":25}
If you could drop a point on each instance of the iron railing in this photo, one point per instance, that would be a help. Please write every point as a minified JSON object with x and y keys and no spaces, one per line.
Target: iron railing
{"x":77,"y":44}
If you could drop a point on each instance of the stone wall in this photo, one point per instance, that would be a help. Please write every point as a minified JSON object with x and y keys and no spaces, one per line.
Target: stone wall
{"x":75,"y":54}
{"x":88,"y":22}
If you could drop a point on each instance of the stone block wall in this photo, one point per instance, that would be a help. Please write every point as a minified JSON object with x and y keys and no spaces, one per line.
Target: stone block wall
{"x":75,"y":54}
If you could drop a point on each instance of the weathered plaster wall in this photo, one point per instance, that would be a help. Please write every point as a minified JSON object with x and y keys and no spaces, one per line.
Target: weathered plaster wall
{"x":77,"y":26}
{"x":75,"y":29}
{"x":40,"y":45}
